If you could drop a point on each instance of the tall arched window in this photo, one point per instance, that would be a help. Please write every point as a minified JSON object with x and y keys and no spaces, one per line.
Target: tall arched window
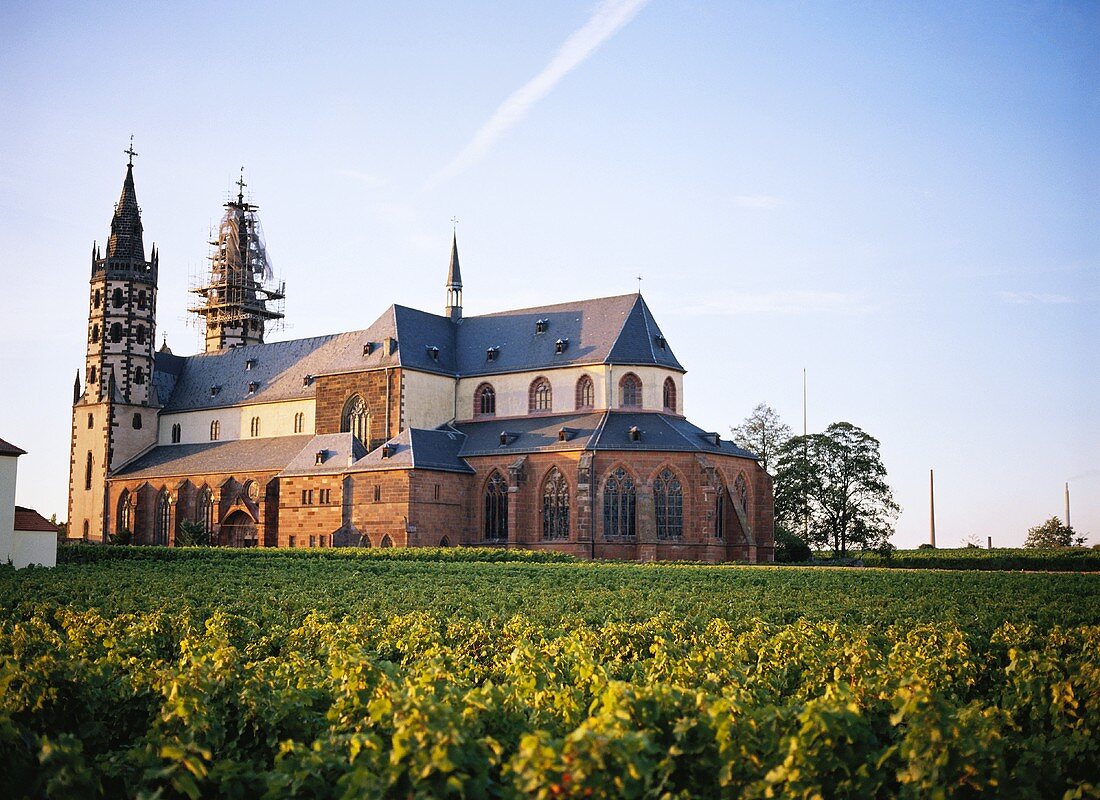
{"x":92,"y":375}
{"x":88,"y":471}
{"x":496,"y":508}
{"x":485,"y":400}
{"x":540,"y":396}
{"x":117,"y":299}
{"x":163,"y":519}
{"x":630,"y":391}
{"x":254,"y":428}
{"x":124,"y":519}
{"x":299,"y":422}
{"x":668,"y":505}
{"x":141,"y":334}
{"x":116,"y":332}
{"x":619,"y":504}
{"x":177,"y":433}
{"x":95,"y":332}
{"x":741,"y":492}
{"x":555,"y":506}
{"x":721,"y":502}
{"x":139,"y":375}
{"x":354,"y":419}
{"x":586,"y":393}
{"x":97,"y":300}
{"x":142,"y":299}
{"x":206,"y":511}
{"x":670,"y":395}
{"x":386,"y":541}
{"x":215,"y":430}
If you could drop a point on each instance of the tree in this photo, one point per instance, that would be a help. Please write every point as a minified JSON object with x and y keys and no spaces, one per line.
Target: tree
{"x":762,"y":433}
{"x":1051,"y":534}
{"x":192,"y":534}
{"x":832,"y":487}
{"x":790,"y":549}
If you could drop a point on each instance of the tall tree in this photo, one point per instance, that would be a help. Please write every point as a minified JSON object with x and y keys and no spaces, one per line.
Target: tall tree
{"x":762,"y":433}
{"x":1053,"y":533}
{"x":832,"y":486}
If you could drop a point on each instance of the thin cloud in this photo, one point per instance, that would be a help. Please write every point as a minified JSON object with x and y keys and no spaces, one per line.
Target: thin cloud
{"x":1028,"y":298}
{"x":786,"y":303}
{"x":760,"y":202}
{"x":608,"y":18}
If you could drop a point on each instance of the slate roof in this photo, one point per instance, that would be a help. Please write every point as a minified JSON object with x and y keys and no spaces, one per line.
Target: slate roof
{"x":27,"y":519}
{"x":9,"y":449}
{"x":618,"y":330}
{"x":420,"y":449}
{"x":241,"y":455}
{"x":336,"y":448}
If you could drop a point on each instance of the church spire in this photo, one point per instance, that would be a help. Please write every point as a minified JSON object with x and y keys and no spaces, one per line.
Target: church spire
{"x":125,"y":242}
{"x":454,"y":283}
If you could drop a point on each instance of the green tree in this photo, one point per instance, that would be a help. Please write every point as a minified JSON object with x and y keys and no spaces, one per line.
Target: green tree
{"x":790,"y":548}
{"x":191,"y":534}
{"x":1052,"y":534}
{"x":832,"y":487}
{"x":762,"y":433}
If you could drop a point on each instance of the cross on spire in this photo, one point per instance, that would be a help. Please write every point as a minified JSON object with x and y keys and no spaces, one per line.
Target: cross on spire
{"x":130,"y":151}
{"x":454,"y":223}
{"x":639,"y":279}
{"x":240,"y":187}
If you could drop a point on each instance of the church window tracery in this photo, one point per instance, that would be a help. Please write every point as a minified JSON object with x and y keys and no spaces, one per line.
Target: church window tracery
{"x":541,"y":396}
{"x":668,"y":505}
{"x":215,"y":430}
{"x":354,"y":419}
{"x":586,"y":393}
{"x":555,"y":506}
{"x":485,"y":400}
{"x":496,"y":508}
{"x":741,"y":492}
{"x":163,"y":519}
{"x":386,"y":541}
{"x":124,"y":519}
{"x":619,"y":504}
{"x":630,"y":391}
{"x":206,"y":511}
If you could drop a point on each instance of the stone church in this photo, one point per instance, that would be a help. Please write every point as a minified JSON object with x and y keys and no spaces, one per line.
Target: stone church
{"x":558,"y":427}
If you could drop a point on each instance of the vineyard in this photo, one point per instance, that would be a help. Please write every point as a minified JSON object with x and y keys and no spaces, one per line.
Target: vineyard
{"x":138,"y":672}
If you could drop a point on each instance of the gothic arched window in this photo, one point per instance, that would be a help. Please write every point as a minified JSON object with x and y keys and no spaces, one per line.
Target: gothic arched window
{"x":139,"y":375}
{"x":619,"y":504}
{"x":540,"y":396}
{"x":670,"y":395}
{"x":206,"y":511}
{"x":555,"y":506}
{"x":630,"y":391}
{"x":496,"y":508}
{"x":91,"y":375}
{"x":95,"y":332}
{"x":586,"y":393}
{"x":386,"y":541}
{"x":721,"y":501}
{"x":741,"y":492}
{"x":97,"y":299}
{"x":668,"y":505}
{"x":141,"y":299}
{"x":116,"y":332}
{"x":124,"y":519}
{"x":177,"y":433}
{"x":163,"y":518}
{"x":254,"y":428}
{"x":117,"y":299}
{"x":299,"y":422}
{"x":485,"y":400}
{"x":88,"y":471}
{"x":354,"y":419}
{"x":141,"y":334}
{"x":215,"y":430}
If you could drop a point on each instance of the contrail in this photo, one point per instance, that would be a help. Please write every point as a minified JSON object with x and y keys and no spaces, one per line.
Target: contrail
{"x":608,"y":18}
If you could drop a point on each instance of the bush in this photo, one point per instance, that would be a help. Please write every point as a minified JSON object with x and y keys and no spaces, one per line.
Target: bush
{"x":123,"y":536}
{"x":790,"y":548}
{"x":192,"y":534}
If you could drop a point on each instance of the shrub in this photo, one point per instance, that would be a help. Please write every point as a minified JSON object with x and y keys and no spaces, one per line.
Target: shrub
{"x":790,"y":548}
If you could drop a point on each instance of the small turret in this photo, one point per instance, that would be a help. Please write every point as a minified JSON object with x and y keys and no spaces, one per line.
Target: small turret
{"x":76,"y":389}
{"x":453,"y":308}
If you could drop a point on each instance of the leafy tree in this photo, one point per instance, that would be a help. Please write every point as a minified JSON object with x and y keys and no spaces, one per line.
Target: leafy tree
{"x":762,"y":433}
{"x":191,"y":534}
{"x":790,"y":548}
{"x":832,"y":486}
{"x":1051,"y":534}
{"x":122,"y":536}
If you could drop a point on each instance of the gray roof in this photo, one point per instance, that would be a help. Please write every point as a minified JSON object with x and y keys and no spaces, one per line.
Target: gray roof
{"x":416,"y":448}
{"x":619,"y":330}
{"x":9,"y":449}
{"x":242,"y":455}
{"x":335,"y":449}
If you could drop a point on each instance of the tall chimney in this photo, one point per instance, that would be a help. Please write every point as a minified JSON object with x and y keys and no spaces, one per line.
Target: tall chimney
{"x":1067,"y":506}
{"x":932,"y":507}
{"x":988,"y":542}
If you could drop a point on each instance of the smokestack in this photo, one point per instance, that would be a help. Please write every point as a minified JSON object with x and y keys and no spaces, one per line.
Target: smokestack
{"x":989,"y":542}
{"x":932,"y":508}
{"x":1067,"y":506}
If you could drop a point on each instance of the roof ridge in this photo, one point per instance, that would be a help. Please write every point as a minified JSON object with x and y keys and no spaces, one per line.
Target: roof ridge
{"x":594,"y":439}
{"x":551,"y":306}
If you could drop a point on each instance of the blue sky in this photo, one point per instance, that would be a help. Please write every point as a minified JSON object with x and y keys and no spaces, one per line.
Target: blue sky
{"x":900,"y":198}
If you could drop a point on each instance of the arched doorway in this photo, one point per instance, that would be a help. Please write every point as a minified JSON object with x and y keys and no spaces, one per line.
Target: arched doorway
{"x":238,"y":530}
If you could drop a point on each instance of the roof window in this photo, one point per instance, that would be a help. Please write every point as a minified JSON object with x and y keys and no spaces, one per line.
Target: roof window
{"x":541,"y":325}
{"x":661,"y":341}
{"x":634,"y":433}
{"x":214,"y":390}
{"x":433,"y":352}
{"x":507,"y":437}
{"x":307,"y":380}
{"x":252,"y":387}
{"x":320,"y":457}
{"x":713,"y":438}
{"x":491,"y":353}
{"x":565,"y":434}
{"x":560,"y":345}
{"x":368,"y":348}
{"x":387,"y":450}
{"x":249,"y":363}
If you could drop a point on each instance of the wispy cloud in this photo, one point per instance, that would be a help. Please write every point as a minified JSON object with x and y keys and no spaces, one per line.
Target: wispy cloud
{"x":608,"y":18}
{"x":1027,"y":298}
{"x":762,"y":202}
{"x":788,"y":303}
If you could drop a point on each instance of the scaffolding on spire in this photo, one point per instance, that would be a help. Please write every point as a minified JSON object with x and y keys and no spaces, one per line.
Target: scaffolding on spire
{"x":240,"y":299}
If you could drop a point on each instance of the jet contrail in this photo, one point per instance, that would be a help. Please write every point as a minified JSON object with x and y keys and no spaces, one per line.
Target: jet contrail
{"x":609,"y":17}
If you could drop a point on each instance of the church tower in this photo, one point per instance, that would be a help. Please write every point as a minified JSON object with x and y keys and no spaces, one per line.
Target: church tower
{"x":453,"y":309}
{"x":112,"y":416}
{"x":235,"y":298}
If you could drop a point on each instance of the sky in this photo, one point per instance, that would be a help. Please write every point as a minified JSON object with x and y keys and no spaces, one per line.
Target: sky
{"x":900,"y":199}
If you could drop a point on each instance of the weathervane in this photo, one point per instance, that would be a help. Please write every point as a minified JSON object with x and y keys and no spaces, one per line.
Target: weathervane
{"x":130,"y":152}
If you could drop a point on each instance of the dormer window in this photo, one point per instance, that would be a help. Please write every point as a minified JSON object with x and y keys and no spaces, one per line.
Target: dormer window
{"x":387,"y":450}
{"x":560,"y":345}
{"x":565,"y":434}
{"x":660,"y":341}
{"x":307,"y":380}
{"x":368,"y":348}
{"x":713,"y":438}
{"x":214,"y":390}
{"x":507,"y":437}
{"x":634,"y":433}
{"x":541,"y":325}
{"x":433,"y":353}
{"x":491,"y":353}
{"x":320,"y":459}
{"x":252,"y":387}
{"x":249,"y":363}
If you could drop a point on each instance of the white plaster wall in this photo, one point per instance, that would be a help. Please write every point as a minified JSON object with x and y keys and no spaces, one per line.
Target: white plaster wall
{"x":128,"y":441}
{"x":276,"y":419}
{"x":428,"y":400}
{"x":8,"y":469}
{"x":87,"y":504}
{"x":511,"y":389}
{"x":34,"y":547}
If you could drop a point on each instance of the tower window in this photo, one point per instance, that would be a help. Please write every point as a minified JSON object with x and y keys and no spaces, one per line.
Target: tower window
{"x":97,"y":299}
{"x":176,"y":433}
{"x":139,"y":375}
{"x":116,"y":332}
{"x":630,"y":391}
{"x":90,"y":421}
{"x":215,"y":430}
{"x":141,"y":334}
{"x":143,"y":299}
{"x":88,"y":471}
{"x":485,"y":400}
{"x":670,"y":395}
{"x":95,"y":333}
{"x":540,"y":396}
{"x":254,"y":429}
{"x":117,"y":299}
{"x":91,"y":375}
{"x":137,"y":422}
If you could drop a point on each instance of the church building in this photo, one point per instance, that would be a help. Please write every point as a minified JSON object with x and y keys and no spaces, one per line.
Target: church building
{"x":559,"y":427}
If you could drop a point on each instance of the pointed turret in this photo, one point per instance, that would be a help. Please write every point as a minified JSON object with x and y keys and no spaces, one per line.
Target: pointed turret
{"x":76,"y":389}
{"x":125,"y":242}
{"x":453,"y":308}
